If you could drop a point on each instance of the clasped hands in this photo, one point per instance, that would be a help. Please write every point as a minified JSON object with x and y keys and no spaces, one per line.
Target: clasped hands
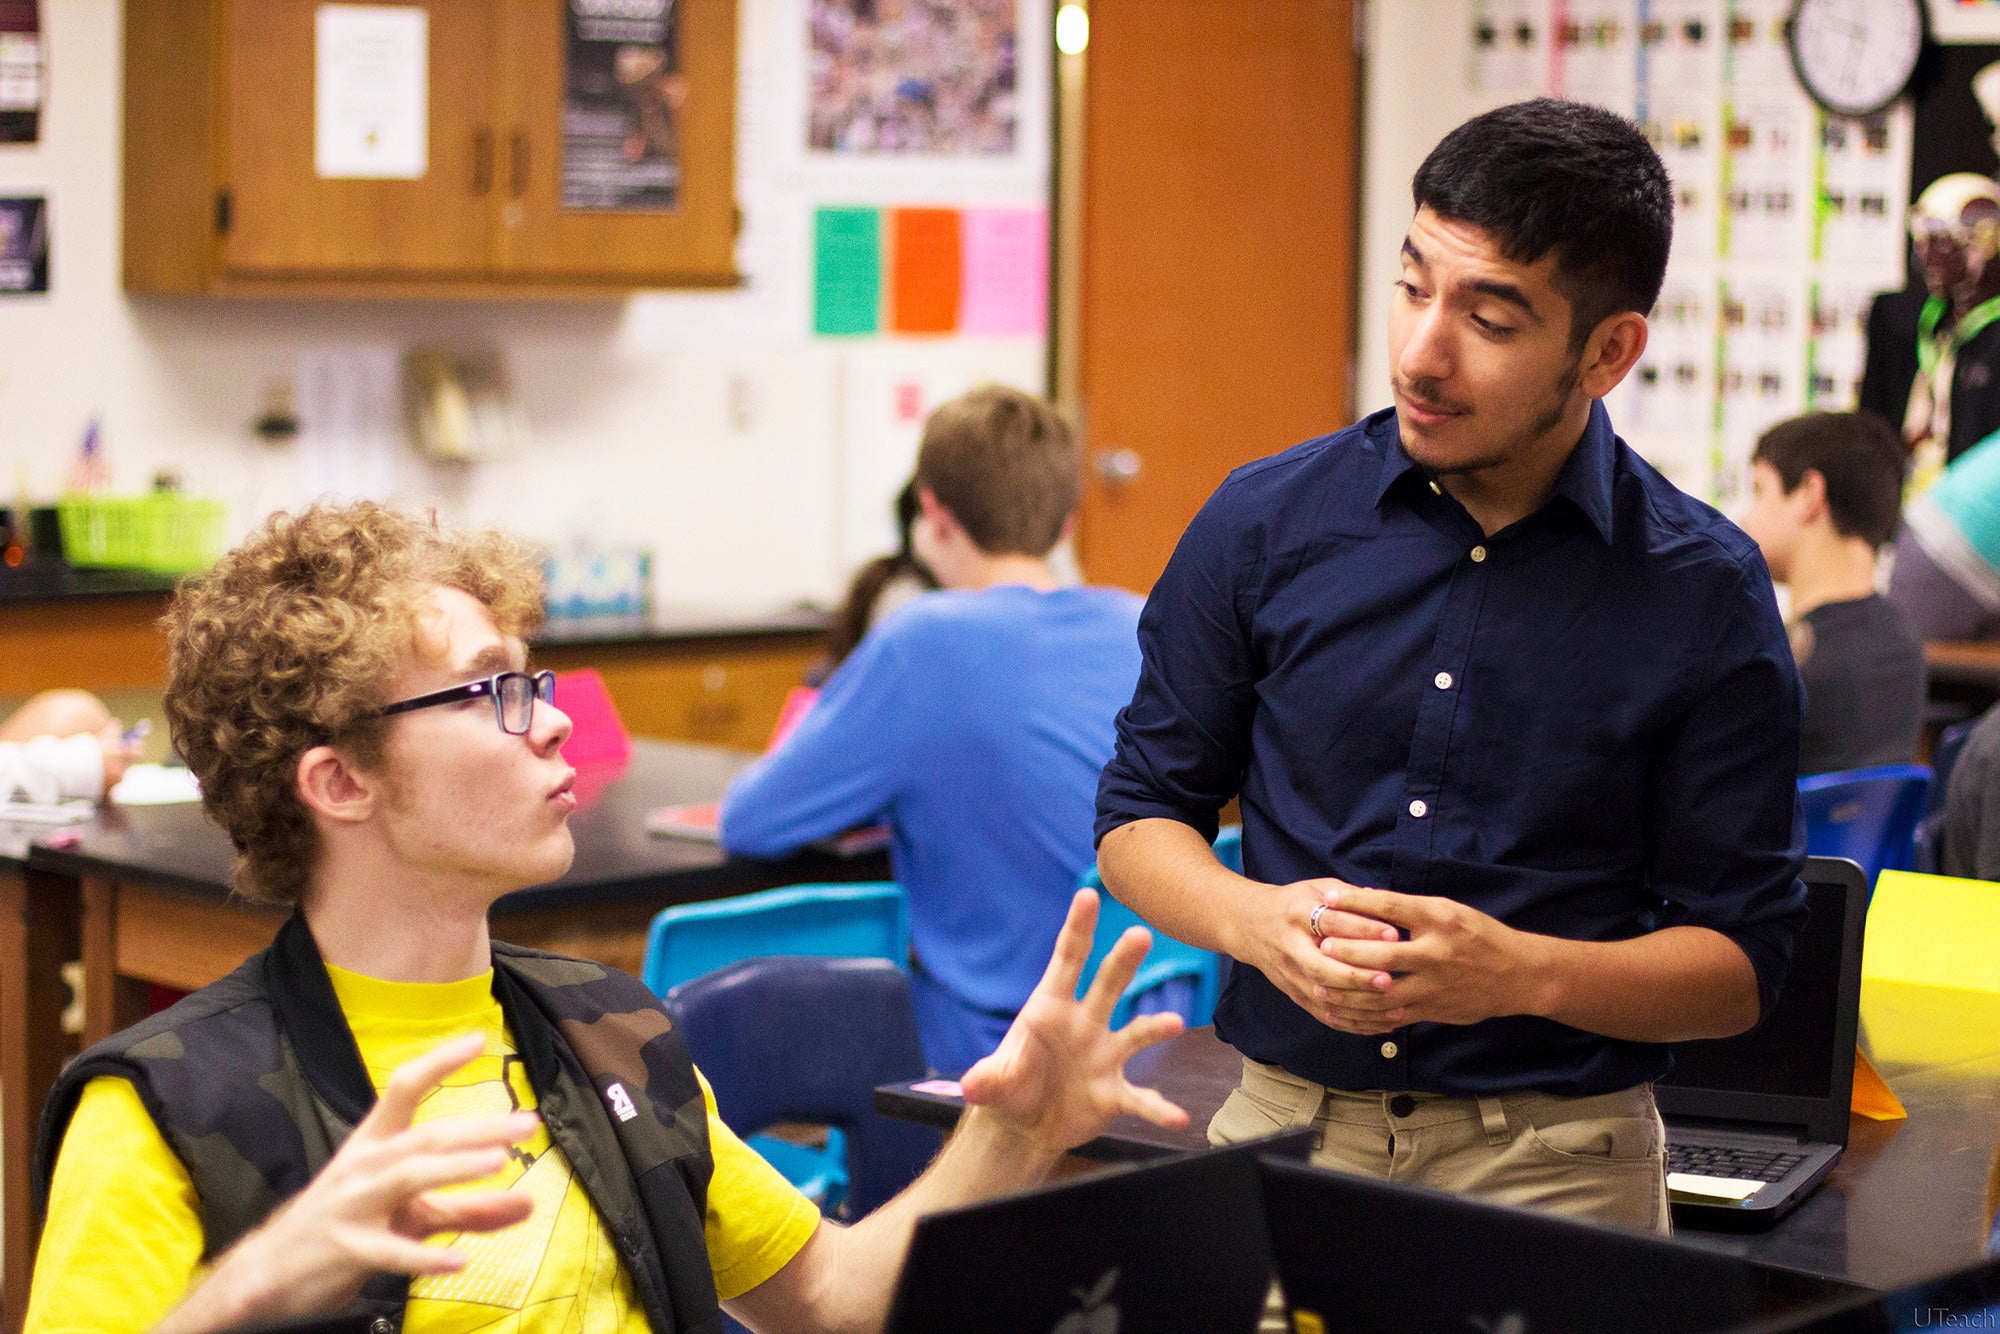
{"x":1383,"y":960}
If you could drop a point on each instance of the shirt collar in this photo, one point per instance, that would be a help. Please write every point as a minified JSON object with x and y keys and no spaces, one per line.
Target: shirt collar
{"x":1585,"y":479}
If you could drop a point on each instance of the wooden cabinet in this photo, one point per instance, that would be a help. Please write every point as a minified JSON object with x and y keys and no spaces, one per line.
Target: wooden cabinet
{"x":719,"y":693}
{"x":222,"y":193}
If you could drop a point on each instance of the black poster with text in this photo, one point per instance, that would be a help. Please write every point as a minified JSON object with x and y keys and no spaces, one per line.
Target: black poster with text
{"x":622,"y":96}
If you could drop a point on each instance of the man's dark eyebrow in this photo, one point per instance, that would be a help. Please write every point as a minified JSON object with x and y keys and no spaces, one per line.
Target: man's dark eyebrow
{"x":1414,"y":255}
{"x":1509,"y":293}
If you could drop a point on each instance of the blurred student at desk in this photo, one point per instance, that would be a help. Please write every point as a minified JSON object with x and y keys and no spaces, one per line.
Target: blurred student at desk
{"x":62,"y":745}
{"x":351,"y":687}
{"x":1825,"y":496}
{"x":972,"y":721}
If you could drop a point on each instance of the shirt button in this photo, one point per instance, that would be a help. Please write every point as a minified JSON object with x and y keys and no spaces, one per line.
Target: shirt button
{"x":1436,"y":490}
{"x":1442,"y":680}
{"x":1419,"y":809}
{"x":1478,"y":554}
{"x":1389,"y":1050}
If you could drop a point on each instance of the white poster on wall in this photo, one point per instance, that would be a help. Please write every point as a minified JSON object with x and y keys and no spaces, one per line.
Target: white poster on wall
{"x":371,"y":92}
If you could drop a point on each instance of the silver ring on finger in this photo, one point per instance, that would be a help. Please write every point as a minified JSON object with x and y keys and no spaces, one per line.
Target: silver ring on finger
{"x":1312,"y":922}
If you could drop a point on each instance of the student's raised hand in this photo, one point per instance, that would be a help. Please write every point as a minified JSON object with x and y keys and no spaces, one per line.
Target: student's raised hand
{"x":370,"y":1208}
{"x":1059,"y":1074}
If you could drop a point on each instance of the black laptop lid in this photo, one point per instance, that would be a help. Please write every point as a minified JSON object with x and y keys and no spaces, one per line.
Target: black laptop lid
{"x":1156,"y":1249}
{"x":1797,"y":1067}
{"x":1370,"y":1257}
{"x":1963,"y":1299}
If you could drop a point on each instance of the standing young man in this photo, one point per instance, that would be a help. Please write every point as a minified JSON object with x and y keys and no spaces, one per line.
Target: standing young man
{"x":974,"y":722}
{"x":1826,"y":494}
{"x":350,"y":686}
{"x":1513,"y":721}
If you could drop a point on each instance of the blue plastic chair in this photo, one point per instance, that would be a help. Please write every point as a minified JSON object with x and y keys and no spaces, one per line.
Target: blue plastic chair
{"x":865,"y":920}
{"x":1869,"y":815}
{"x":1176,"y":976}
{"x":868,"y":919}
{"x":808,"y":1039}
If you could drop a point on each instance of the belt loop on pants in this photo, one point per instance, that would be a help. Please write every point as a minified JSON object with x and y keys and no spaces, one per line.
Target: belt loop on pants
{"x":1313,"y":1097}
{"x":1493,"y":1116}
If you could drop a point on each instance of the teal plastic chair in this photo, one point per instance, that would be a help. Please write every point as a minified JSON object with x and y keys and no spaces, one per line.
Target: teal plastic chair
{"x":865,"y":920}
{"x":1176,"y":976}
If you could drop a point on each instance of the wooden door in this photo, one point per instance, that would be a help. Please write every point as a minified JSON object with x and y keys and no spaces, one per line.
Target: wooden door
{"x":1219,"y":223}
{"x":694,"y":242}
{"x":285,"y":218}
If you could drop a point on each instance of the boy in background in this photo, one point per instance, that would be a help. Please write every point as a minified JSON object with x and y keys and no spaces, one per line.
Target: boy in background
{"x":972,"y":721}
{"x":1826,"y":491}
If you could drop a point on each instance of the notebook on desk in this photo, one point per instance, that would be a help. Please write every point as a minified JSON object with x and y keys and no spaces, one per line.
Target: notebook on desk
{"x":1171,"y":1246}
{"x":1755,"y":1122}
{"x":1360,"y":1256}
{"x":701,"y":821}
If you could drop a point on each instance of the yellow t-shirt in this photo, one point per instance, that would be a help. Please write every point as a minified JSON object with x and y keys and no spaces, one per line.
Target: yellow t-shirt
{"x":124,"y":1236}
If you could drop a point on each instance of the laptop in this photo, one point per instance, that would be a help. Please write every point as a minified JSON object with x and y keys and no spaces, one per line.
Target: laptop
{"x":1161,"y":1248}
{"x":1356,"y":1255}
{"x":1754,"y":1122}
{"x":1964,"y":1299}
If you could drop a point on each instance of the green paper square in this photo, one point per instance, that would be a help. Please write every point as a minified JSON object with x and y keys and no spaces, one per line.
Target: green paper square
{"x":847,"y":271}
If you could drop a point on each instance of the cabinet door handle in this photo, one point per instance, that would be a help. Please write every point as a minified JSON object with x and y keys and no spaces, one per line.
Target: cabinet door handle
{"x":482,"y":160}
{"x":517,"y":163}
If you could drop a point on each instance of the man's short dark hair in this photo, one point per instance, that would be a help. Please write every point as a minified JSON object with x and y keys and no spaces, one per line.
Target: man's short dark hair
{"x":1006,"y":465}
{"x":1553,"y":176}
{"x":1861,"y":459}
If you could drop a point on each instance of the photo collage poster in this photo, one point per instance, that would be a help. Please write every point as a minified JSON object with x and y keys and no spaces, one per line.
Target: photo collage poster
{"x":1787,"y":221}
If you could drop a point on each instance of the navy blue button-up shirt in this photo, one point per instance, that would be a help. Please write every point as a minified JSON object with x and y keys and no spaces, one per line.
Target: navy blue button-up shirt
{"x":1586,"y":725}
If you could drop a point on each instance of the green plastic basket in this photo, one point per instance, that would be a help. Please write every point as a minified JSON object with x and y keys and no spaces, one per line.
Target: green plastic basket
{"x":162,"y":533}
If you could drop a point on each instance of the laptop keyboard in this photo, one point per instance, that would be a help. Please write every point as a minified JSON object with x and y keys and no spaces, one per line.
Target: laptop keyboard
{"x":1710,"y":1160}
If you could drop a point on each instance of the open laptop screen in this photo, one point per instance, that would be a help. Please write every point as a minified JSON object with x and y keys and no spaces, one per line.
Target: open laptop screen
{"x":1797,"y":1067}
{"x":1789,"y":1053}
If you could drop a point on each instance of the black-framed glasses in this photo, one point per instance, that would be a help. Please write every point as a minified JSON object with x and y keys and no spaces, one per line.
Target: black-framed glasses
{"x":513,"y":695}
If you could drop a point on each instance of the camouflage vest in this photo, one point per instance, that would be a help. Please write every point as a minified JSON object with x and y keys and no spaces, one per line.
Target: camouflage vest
{"x":255,"y":1081}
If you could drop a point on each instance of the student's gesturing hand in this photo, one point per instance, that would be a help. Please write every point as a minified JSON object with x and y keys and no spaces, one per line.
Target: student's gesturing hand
{"x":370,"y":1208}
{"x":1458,"y":966}
{"x":1059,"y":1074}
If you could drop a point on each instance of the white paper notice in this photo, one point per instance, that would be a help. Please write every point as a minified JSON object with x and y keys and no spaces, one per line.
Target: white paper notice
{"x":371,"y":92}
{"x":352,"y":441}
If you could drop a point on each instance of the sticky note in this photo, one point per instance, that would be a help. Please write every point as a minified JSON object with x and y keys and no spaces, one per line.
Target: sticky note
{"x":924,"y":251}
{"x":847,"y":271}
{"x":1932,"y":930}
{"x":1712,"y":1188}
{"x":1005,"y":288}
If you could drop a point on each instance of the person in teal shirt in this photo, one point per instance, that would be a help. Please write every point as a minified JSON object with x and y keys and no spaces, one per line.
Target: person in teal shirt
{"x":1946,"y":577}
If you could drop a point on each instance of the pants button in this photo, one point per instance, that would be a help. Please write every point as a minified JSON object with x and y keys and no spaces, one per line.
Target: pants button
{"x":1402,"y":1105}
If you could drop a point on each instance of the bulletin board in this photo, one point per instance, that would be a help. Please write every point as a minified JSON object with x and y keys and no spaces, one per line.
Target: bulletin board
{"x":1787,"y":221}
{"x":894,"y":182}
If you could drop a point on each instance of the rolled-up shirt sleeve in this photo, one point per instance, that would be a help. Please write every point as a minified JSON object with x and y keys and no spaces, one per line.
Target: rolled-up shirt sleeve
{"x":1726,"y":839}
{"x":1184,"y":739}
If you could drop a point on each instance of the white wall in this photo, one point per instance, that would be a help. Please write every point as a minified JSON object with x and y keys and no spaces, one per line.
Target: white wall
{"x":1417,"y":51}
{"x":721,"y":449}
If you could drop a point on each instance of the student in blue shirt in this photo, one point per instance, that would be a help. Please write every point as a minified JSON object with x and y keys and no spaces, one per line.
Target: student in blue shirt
{"x":1514,"y":721}
{"x":973,"y":721}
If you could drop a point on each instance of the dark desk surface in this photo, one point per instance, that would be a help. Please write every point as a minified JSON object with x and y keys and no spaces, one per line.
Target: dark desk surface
{"x":1909,"y":1199}
{"x":177,"y":848}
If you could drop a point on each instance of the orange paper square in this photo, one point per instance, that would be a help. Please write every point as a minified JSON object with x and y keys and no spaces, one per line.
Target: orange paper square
{"x":924,"y":270}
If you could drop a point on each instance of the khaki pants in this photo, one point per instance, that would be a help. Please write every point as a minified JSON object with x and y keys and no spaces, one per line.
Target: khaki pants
{"x":1600,"y":1158}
